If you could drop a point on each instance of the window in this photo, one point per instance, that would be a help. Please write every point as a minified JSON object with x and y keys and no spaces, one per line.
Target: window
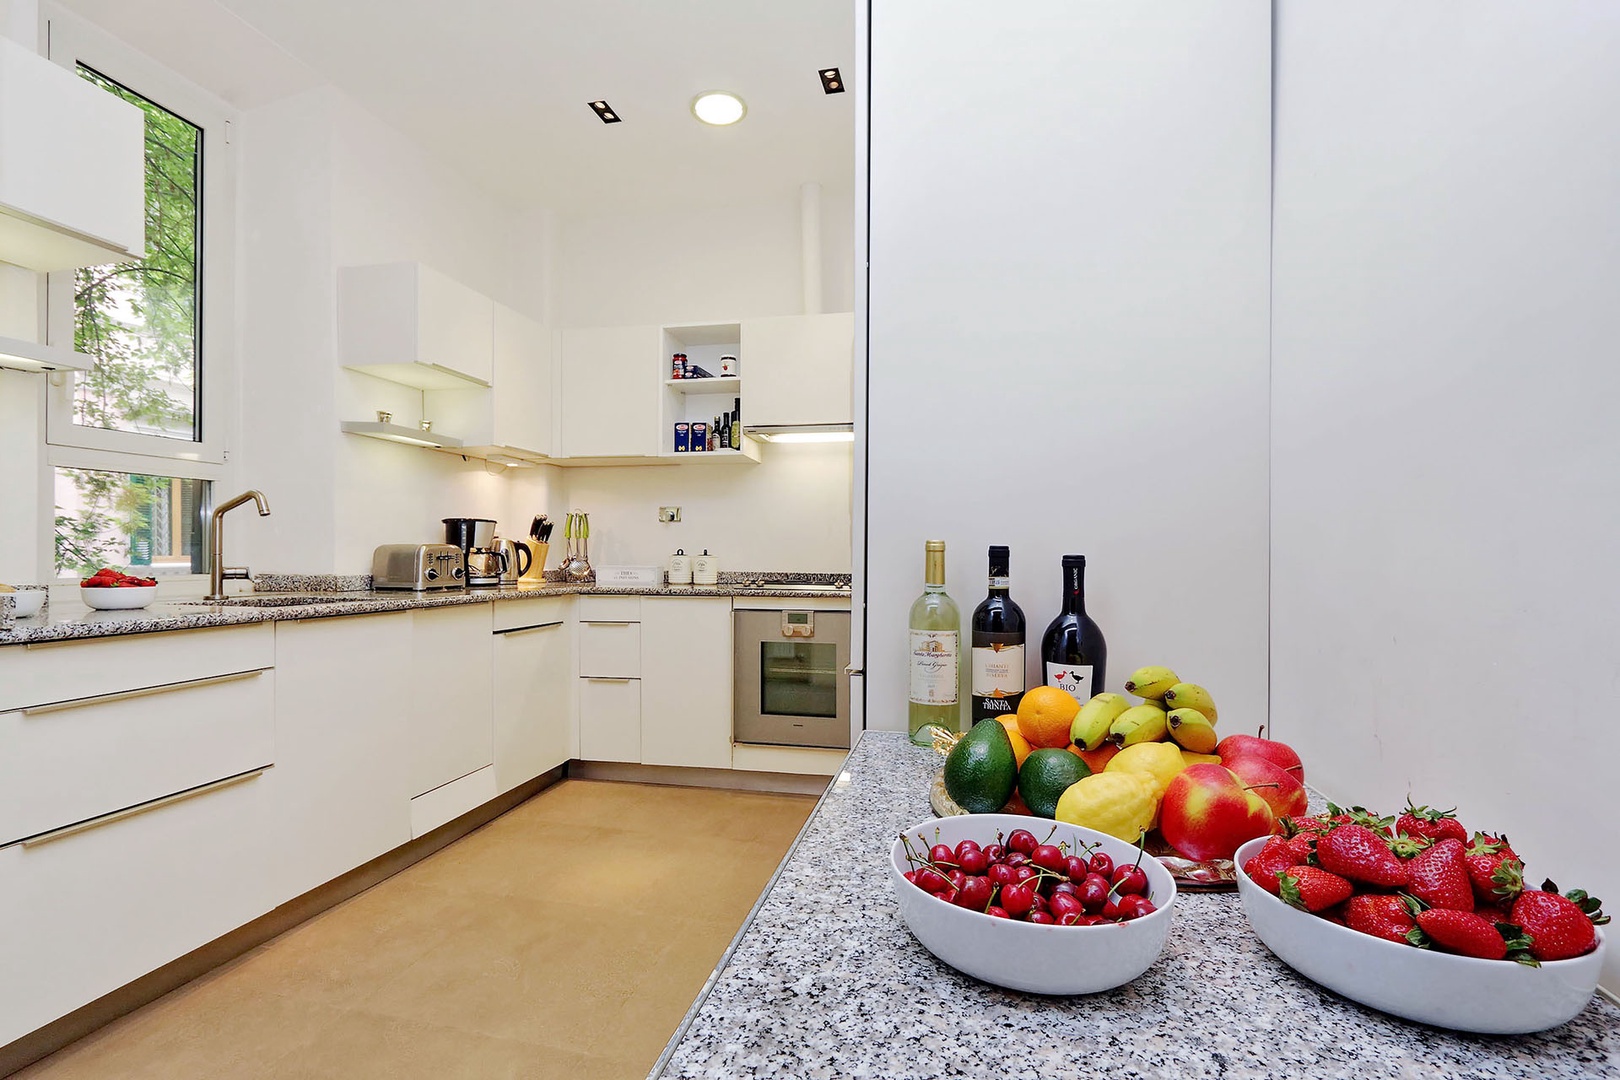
{"x":137,"y":443}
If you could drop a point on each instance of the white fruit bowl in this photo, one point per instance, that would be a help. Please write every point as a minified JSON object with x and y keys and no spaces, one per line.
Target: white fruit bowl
{"x":29,"y":599}
{"x":1494,"y":997}
{"x":118,"y":599}
{"x":1029,"y":956}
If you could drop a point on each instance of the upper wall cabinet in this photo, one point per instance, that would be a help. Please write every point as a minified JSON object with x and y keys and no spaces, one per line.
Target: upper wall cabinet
{"x":410,"y":324}
{"x":611,"y":381}
{"x":512,"y":420}
{"x":72,"y":168}
{"x":799,"y":369}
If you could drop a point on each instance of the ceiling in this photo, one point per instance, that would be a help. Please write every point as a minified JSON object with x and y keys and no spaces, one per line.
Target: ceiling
{"x":499,"y":89}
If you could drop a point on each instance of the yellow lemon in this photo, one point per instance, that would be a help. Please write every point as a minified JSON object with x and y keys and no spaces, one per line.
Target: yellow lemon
{"x":1121,"y":804}
{"x":1159,"y":762}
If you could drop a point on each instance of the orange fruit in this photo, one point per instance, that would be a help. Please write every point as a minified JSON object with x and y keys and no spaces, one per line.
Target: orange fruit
{"x":1021,"y":747}
{"x":1045,"y":716}
{"x":1015,"y":805}
{"x":1099,"y":758}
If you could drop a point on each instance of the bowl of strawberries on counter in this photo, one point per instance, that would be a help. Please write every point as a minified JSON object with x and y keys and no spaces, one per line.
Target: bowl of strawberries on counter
{"x":1417,"y":916}
{"x":113,"y":590}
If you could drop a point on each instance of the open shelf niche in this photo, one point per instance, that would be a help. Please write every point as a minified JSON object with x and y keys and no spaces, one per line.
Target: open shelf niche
{"x":701,"y":400}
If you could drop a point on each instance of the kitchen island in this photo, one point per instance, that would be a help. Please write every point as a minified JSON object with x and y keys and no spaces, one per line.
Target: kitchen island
{"x":824,"y":980}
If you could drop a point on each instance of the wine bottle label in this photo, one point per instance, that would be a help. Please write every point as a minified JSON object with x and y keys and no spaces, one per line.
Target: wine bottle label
{"x":998,"y":676}
{"x":1075,"y":678}
{"x":1001,"y":582}
{"x":933,"y":666}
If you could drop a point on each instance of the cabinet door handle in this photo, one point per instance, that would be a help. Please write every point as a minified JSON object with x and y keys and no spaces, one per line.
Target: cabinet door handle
{"x":529,"y":629}
{"x":141,"y":808}
{"x":604,"y":678}
{"x":145,"y":691}
{"x":600,"y":622}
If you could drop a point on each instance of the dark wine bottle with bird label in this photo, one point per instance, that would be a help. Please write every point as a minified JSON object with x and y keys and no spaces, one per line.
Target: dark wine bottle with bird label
{"x":998,"y":645}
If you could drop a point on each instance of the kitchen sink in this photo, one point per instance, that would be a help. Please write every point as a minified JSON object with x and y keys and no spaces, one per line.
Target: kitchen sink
{"x":275,"y":601}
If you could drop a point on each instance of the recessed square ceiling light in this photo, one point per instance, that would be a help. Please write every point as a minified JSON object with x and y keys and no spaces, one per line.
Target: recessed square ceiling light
{"x":606,"y":112}
{"x":719,"y":108}
{"x":831,"y":81}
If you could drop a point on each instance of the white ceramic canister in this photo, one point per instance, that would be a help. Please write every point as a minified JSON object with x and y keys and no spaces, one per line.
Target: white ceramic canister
{"x":705,"y":569}
{"x":680,"y":568}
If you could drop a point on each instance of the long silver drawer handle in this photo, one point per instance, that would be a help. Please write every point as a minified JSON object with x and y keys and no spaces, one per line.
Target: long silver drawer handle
{"x":145,"y":691}
{"x":141,"y":808}
{"x":604,"y":622}
{"x":604,"y":678}
{"x":529,"y":629}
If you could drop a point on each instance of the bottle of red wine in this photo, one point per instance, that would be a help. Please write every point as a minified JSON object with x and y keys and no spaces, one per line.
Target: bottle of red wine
{"x":998,"y":645}
{"x":1074,"y":655}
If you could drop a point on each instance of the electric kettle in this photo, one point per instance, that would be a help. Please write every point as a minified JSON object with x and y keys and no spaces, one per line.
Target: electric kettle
{"x":516,"y":558}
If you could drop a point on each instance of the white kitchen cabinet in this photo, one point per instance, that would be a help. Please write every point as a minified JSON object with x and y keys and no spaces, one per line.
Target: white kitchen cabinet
{"x":612,"y":382}
{"x":610,"y":650}
{"x":799,"y":370}
{"x":72,"y":167}
{"x":534,"y":684}
{"x":452,"y":695}
{"x":686,"y":682}
{"x":610,"y":719}
{"x":341,"y":789}
{"x":410,"y":324}
{"x":512,"y":418}
{"x":87,"y":912}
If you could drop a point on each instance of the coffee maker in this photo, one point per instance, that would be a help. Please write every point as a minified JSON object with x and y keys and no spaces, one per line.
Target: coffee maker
{"x":486,"y":564}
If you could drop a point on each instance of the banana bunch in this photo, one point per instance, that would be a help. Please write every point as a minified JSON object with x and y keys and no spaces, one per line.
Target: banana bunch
{"x":1180,"y":711}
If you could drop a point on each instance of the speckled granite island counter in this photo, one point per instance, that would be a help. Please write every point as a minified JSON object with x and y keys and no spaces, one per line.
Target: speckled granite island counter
{"x":826,"y":981}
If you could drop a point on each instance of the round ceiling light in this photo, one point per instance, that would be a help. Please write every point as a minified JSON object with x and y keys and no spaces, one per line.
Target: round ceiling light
{"x":718,"y":108}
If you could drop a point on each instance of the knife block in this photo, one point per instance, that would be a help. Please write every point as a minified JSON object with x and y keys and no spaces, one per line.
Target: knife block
{"x":536,"y":574}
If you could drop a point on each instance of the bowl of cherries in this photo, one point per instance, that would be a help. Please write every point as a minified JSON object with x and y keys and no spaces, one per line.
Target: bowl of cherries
{"x":1072,"y":912}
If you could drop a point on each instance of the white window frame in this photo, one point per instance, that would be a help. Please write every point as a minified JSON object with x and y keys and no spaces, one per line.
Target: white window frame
{"x":68,"y":445}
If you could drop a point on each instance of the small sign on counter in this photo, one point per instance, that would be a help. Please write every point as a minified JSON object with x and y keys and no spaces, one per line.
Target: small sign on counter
{"x":629,"y":575}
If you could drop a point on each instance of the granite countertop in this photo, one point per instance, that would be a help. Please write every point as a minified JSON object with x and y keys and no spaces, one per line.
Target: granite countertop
{"x":824,"y":981}
{"x":337,"y":595}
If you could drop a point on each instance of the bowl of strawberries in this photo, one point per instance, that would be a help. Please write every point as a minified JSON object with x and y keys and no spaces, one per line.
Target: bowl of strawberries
{"x":1417,"y":917}
{"x":113,"y":590}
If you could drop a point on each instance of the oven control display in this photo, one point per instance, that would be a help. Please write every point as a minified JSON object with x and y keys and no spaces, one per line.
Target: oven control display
{"x":798,"y":624}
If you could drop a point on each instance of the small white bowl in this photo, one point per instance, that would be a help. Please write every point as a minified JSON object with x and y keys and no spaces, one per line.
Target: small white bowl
{"x":28,"y":599}
{"x":118,"y":599}
{"x":1029,"y":956}
{"x":1494,"y":997}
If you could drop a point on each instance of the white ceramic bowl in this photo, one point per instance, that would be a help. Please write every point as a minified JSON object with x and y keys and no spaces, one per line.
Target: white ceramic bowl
{"x":118,"y":599}
{"x":28,"y":599}
{"x":1028,"y":956}
{"x":1496,"y":997}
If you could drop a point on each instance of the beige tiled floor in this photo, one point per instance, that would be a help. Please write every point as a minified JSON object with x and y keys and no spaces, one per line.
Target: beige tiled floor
{"x":565,"y":939}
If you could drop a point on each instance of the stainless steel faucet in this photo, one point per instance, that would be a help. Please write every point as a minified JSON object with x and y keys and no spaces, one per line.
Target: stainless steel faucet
{"x":217,"y":570}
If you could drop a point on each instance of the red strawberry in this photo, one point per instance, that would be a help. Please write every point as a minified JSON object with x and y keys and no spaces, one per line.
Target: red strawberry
{"x":1270,"y":861}
{"x":1496,"y":873}
{"x":1358,"y":815}
{"x":1358,"y":853}
{"x":1381,"y":916}
{"x":1440,"y":877}
{"x":1464,"y":932}
{"x":1307,"y":825}
{"x":1433,"y":824}
{"x":1559,"y":927}
{"x":1311,"y":888}
{"x":1302,"y":846}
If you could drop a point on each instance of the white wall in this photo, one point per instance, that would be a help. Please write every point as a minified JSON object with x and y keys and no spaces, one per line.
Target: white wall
{"x":1068,"y":325}
{"x":1446,"y":490}
{"x":791,"y":512}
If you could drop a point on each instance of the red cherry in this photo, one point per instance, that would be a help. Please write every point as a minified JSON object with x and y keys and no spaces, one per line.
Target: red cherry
{"x":1022,"y":841}
{"x":1023,"y":873}
{"x":911,"y":876}
{"x":1016,"y":858}
{"x":956,"y":878}
{"x":1017,"y":899}
{"x":931,"y":880}
{"x":1066,"y":887}
{"x":972,"y":861}
{"x":1135,"y":906}
{"x":1112,"y":910}
{"x":1043,"y":918}
{"x":976,"y":893}
{"x":1129,"y":881}
{"x":1002,"y":874}
{"x":995,"y":852}
{"x":1066,"y":904}
{"x":1039,"y":903}
{"x":997,"y":912}
{"x":940,"y":855}
{"x":1048,"y":857}
{"x":1076,"y":868}
{"x":1076,"y":918}
{"x":966,"y":845}
{"x":949,"y":895}
{"x":1100,"y":863}
{"x":1094,"y":892}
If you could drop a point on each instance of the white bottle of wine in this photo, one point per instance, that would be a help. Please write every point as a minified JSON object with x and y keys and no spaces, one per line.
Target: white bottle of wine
{"x":936,"y":653}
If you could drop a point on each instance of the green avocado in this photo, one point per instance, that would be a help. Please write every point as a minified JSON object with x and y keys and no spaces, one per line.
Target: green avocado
{"x":1046,"y":775}
{"x":980,"y":770}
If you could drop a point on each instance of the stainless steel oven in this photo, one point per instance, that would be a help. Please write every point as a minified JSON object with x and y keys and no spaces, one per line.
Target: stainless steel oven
{"x":792,"y":689}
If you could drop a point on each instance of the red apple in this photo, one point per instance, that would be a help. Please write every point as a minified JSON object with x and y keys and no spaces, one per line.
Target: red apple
{"x":1237,"y":746}
{"x":1208,"y":813}
{"x":1280,"y":788}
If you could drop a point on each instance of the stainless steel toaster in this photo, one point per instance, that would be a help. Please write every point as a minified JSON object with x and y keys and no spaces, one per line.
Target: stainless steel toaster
{"x":418,"y":567}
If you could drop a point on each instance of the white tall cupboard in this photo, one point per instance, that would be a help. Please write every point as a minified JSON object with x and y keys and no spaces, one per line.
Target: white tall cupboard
{"x":534,"y":699}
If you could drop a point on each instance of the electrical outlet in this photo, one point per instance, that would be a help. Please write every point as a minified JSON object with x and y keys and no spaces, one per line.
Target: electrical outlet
{"x":667,"y":514}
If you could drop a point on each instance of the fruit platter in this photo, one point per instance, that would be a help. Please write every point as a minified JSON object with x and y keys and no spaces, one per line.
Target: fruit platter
{"x":1153,"y":768}
{"x":1417,"y":916}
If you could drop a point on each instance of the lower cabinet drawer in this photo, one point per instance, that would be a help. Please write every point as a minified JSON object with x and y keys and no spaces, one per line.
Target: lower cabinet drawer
{"x":84,"y":913}
{"x":610,"y":719}
{"x":610,"y":650}
{"x":67,"y":762}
